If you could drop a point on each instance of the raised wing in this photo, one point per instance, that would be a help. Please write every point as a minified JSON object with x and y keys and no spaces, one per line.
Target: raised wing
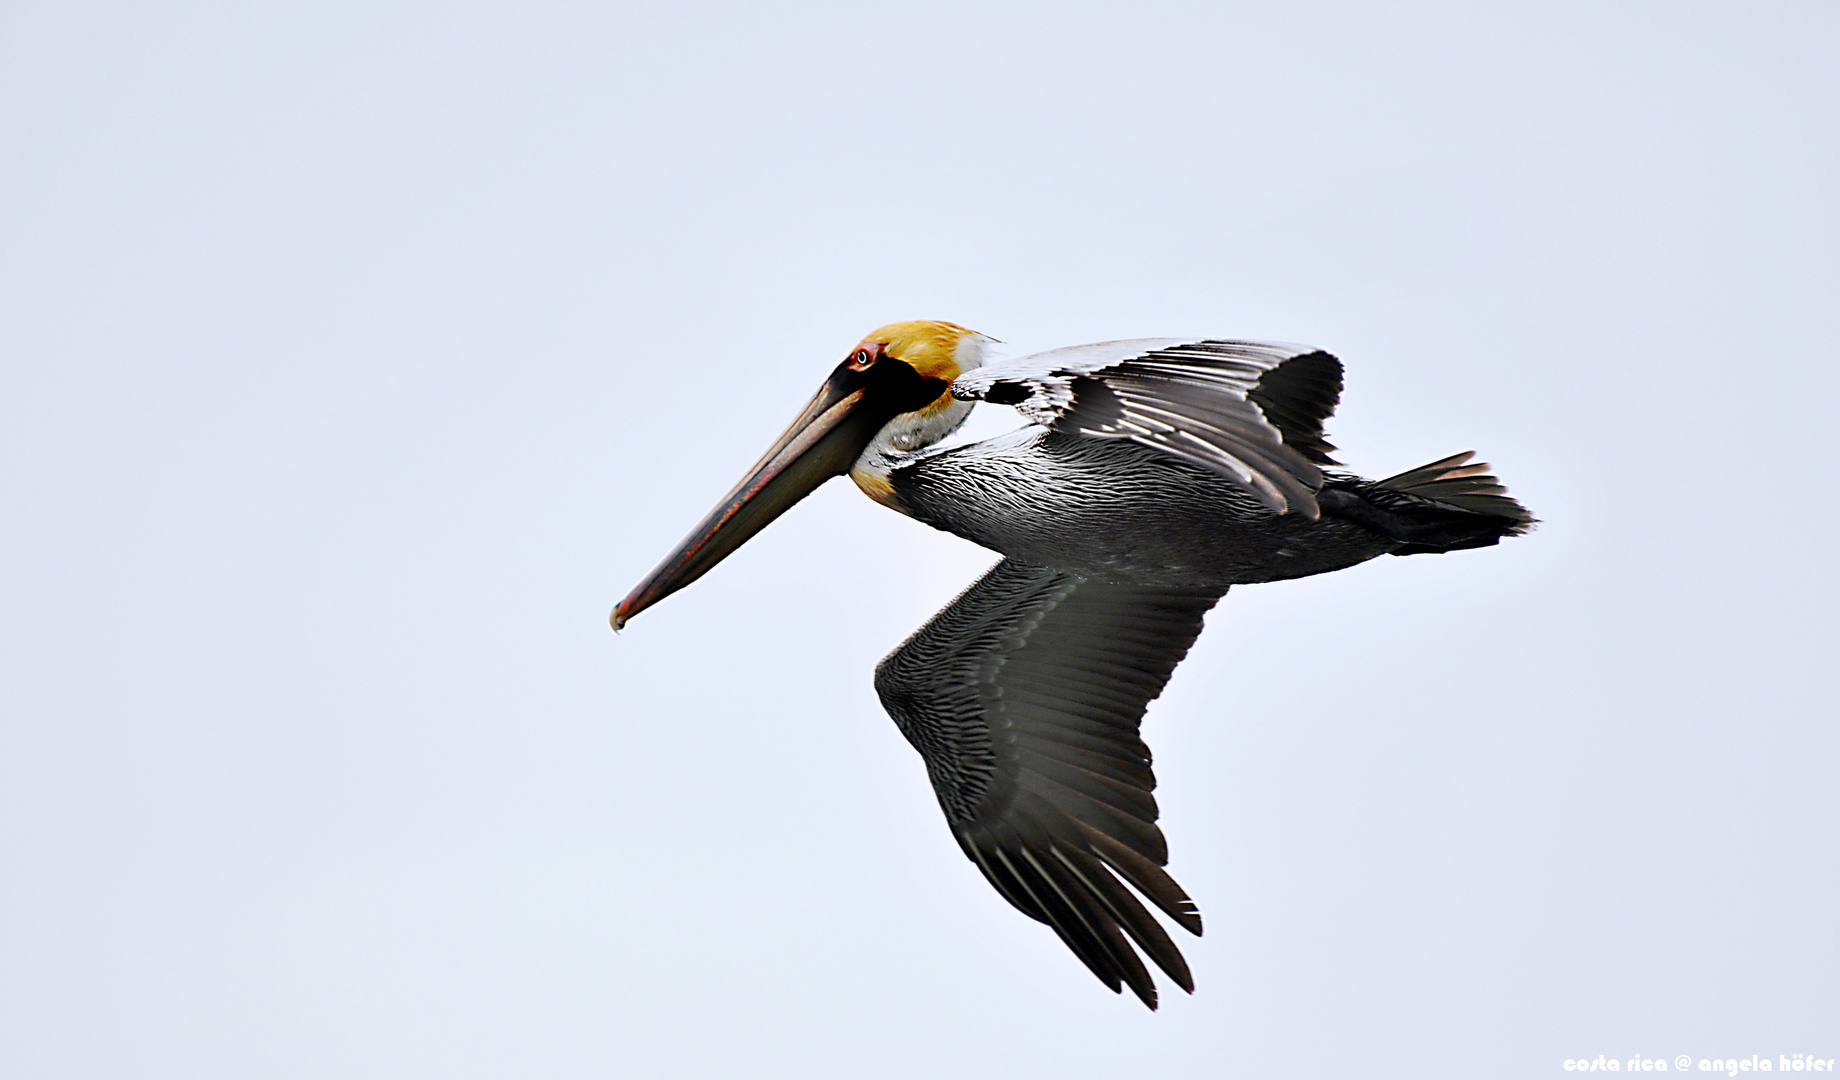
{"x":1250,"y":410}
{"x":1023,"y":696}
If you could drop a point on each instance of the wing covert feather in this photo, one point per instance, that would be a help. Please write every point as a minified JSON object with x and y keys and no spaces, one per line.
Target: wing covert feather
{"x":1252,"y":411}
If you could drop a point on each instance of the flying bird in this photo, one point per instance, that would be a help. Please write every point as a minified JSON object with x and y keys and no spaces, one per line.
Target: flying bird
{"x":1150,"y":476}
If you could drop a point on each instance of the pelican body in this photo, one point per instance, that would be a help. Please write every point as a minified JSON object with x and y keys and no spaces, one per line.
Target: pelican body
{"x":1150,"y":477}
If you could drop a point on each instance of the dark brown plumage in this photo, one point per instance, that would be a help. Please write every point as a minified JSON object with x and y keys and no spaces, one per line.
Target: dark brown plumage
{"x":1155,"y":475}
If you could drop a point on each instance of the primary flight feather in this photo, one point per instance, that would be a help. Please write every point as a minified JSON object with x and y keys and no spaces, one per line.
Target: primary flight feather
{"x":1153,"y":475}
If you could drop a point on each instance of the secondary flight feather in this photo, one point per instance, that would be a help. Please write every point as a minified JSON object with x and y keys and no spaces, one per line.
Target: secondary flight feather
{"x":1153,"y":475}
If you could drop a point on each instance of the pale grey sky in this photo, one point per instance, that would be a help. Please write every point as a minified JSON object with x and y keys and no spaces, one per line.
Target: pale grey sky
{"x":355,"y":358}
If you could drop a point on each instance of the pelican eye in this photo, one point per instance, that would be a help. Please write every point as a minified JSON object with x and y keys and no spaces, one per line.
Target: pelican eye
{"x":862,"y":359}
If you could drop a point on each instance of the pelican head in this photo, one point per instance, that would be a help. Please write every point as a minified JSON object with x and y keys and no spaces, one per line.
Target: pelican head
{"x":891,"y":394}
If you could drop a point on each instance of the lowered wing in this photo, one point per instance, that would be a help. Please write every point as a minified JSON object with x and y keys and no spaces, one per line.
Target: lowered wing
{"x":1250,"y":410}
{"x":1024,"y":696}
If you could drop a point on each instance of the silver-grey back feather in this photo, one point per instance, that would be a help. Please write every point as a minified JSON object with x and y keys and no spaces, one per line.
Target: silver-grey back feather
{"x":1196,"y":400}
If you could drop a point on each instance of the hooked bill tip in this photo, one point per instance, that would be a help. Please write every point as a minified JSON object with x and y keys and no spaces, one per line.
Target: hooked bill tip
{"x":618,"y":620}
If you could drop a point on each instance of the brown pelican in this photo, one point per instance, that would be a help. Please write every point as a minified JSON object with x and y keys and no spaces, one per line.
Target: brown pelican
{"x":1153,"y":475}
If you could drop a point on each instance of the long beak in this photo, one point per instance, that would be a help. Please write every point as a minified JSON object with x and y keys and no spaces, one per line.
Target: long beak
{"x":823,"y":442}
